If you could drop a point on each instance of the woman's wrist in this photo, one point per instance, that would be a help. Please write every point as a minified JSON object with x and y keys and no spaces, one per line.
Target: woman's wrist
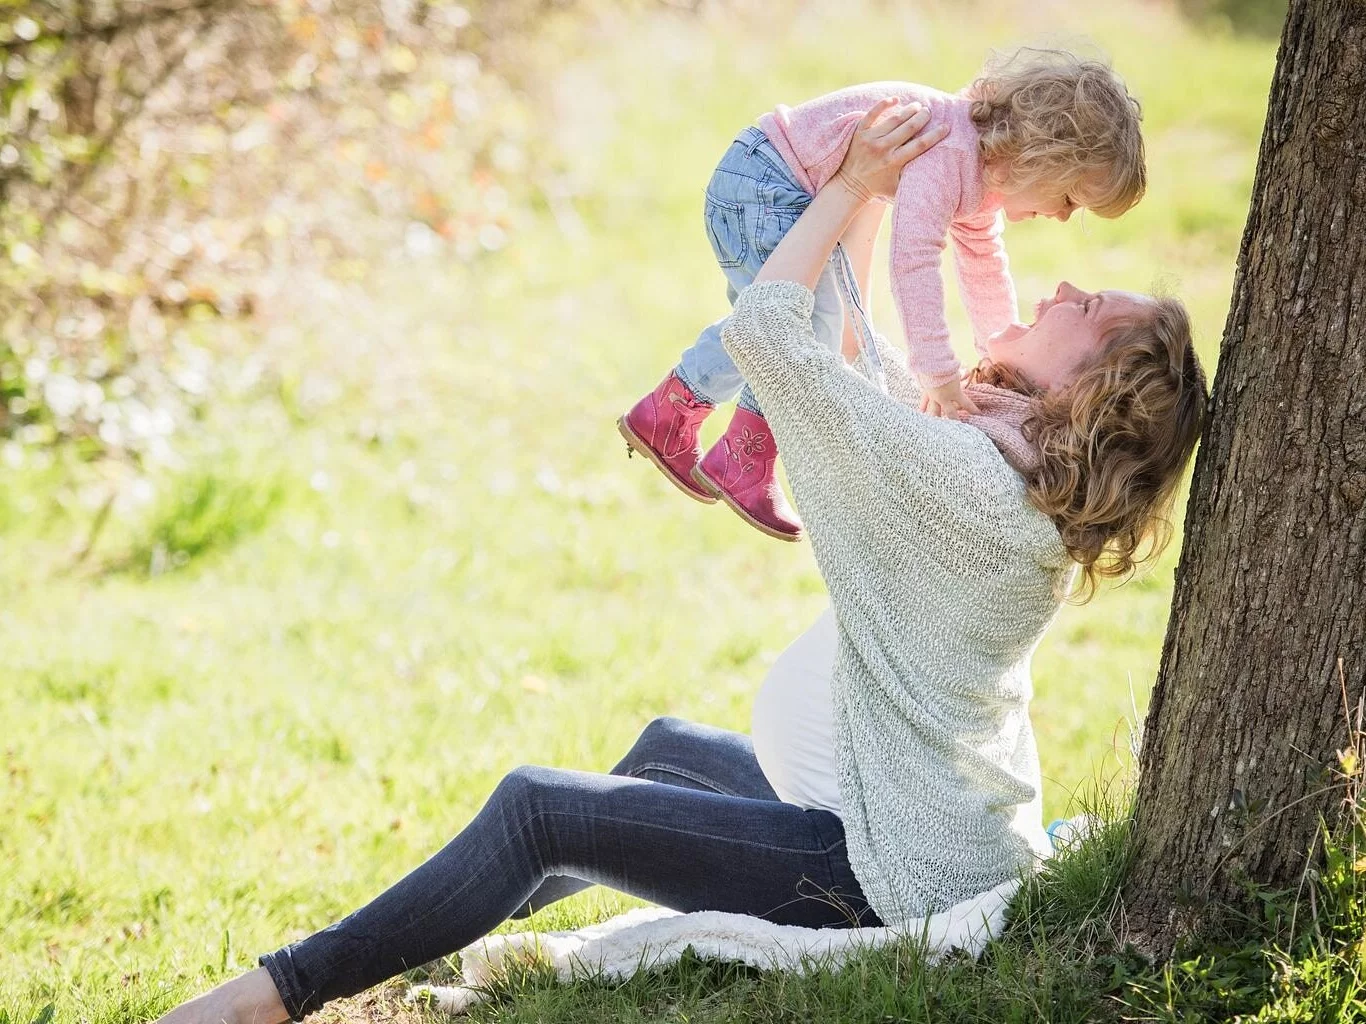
{"x":858,"y":189}
{"x":844,"y":197}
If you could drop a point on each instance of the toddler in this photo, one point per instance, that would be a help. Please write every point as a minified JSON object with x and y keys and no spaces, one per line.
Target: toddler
{"x":1041,"y":133}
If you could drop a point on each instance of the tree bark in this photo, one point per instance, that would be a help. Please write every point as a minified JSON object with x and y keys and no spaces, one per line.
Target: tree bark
{"x":1268,"y":619}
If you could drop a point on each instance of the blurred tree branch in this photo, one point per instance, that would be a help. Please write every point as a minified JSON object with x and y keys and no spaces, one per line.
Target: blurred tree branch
{"x":103,"y":144}
{"x":163,"y":162}
{"x":81,"y":31}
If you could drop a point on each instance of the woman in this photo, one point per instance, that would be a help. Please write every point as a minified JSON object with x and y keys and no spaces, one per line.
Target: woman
{"x":909,"y":770}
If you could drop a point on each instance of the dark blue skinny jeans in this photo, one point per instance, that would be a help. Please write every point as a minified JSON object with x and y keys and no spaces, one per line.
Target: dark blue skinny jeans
{"x":686,"y":820}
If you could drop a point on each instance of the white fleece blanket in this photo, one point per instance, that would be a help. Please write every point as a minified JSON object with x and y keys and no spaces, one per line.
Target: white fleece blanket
{"x":654,"y":937}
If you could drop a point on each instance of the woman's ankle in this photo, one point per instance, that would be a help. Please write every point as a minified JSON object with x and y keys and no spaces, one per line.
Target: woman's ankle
{"x":257,"y":999}
{"x":250,"y":998}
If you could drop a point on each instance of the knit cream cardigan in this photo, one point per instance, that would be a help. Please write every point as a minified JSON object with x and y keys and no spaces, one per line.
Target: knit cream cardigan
{"x":943,"y":579}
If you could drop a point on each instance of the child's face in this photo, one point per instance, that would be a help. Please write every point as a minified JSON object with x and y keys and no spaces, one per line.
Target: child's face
{"x":1036,"y":201}
{"x":1068,"y":332}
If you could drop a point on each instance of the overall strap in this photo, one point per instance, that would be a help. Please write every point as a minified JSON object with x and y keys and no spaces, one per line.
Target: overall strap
{"x":853,"y":305}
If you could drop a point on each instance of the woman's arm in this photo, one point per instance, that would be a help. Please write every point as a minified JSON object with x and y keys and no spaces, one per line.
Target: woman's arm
{"x":841,"y":437}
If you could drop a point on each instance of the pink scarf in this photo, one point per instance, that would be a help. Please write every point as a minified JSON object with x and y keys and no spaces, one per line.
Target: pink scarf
{"x":1002,"y":417}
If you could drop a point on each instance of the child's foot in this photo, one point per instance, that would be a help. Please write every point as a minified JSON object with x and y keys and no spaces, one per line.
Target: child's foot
{"x":740,"y":470}
{"x":663,"y":426}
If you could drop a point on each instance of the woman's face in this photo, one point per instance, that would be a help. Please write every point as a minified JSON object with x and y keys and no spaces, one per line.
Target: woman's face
{"x":1067,"y":334}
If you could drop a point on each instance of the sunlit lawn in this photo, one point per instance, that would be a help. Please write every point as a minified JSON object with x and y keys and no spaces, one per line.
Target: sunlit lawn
{"x":445,"y":566}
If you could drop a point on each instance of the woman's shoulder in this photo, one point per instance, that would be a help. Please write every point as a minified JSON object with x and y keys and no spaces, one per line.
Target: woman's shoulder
{"x":991,"y":507}
{"x":850,"y":446}
{"x":1025,"y":529}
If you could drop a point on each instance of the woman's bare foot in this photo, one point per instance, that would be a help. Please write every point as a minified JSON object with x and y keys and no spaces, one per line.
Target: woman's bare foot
{"x":249,"y":998}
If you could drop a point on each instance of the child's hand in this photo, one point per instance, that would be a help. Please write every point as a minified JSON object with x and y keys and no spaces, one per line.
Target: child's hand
{"x":949,"y":401}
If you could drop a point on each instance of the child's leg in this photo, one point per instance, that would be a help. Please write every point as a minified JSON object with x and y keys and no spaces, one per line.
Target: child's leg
{"x":705,"y":366}
{"x":740,"y":469}
{"x":745,"y":190}
{"x":752,"y":200}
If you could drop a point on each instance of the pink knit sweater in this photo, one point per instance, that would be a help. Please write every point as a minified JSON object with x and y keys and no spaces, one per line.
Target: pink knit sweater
{"x":941,"y":197}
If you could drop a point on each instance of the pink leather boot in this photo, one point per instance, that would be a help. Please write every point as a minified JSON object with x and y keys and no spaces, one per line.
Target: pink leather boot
{"x":739,"y":469}
{"x":662,"y":426}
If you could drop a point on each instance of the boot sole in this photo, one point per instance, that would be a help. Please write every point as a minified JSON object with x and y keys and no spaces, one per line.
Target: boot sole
{"x":635,"y":444}
{"x":702,"y":480}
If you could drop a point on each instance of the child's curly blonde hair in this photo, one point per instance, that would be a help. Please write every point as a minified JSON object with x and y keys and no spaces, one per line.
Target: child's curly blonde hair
{"x":1114,"y":442}
{"x":1068,"y":125}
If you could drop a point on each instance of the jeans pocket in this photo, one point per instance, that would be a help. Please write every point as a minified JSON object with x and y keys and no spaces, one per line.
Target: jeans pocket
{"x":725,"y":223}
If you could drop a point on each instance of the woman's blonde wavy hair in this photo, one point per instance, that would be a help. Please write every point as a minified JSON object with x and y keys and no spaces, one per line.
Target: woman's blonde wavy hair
{"x":1114,"y":442}
{"x":1053,"y":120}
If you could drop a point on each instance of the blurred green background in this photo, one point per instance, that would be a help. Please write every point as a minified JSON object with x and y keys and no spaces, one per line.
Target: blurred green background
{"x":316,"y":520}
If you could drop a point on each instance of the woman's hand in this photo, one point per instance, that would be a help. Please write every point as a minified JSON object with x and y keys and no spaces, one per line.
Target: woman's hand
{"x":883,"y":143}
{"x":887,"y":138}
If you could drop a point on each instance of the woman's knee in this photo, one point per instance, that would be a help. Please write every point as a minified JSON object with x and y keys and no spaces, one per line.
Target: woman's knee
{"x":523,"y":789}
{"x":656,"y":742}
{"x":665,"y":729}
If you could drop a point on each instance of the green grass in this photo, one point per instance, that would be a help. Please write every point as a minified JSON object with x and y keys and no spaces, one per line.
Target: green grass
{"x":296,"y":669}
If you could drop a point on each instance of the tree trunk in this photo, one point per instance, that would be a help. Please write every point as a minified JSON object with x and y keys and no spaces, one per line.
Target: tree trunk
{"x":1239,"y":749}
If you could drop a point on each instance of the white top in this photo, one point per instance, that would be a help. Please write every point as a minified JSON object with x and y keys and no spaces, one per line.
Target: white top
{"x":943,"y":578}
{"x":793,"y":723}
